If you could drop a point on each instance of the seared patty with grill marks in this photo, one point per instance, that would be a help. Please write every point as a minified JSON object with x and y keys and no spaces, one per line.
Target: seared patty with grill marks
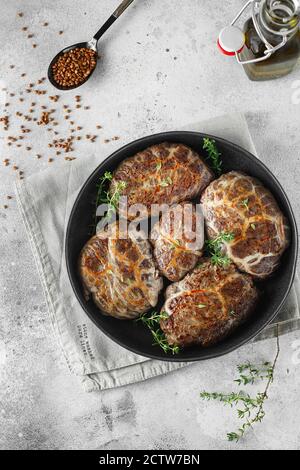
{"x":162,"y":174}
{"x":120,"y":274}
{"x":178,"y":239}
{"x":240,"y":204}
{"x":207,"y":305}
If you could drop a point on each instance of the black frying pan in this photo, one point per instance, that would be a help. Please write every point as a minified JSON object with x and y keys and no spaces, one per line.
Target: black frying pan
{"x":134,"y":335}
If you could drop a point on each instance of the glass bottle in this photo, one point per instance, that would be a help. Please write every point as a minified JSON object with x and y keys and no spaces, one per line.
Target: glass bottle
{"x":276,"y":19}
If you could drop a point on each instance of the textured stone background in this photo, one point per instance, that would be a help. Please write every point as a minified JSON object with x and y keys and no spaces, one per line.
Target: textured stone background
{"x":139,"y":88}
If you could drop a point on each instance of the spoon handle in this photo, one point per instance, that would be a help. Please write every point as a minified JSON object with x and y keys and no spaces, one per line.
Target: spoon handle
{"x":116,"y":14}
{"x":122,"y":7}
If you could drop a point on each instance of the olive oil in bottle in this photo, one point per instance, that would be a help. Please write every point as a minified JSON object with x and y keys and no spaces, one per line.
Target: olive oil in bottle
{"x":277,"y":19}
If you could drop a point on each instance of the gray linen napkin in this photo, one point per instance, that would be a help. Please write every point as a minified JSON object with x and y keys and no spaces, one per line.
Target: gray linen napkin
{"x":45,"y":200}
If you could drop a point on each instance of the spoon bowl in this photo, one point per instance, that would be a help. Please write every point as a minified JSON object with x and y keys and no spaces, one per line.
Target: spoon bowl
{"x":87,"y":45}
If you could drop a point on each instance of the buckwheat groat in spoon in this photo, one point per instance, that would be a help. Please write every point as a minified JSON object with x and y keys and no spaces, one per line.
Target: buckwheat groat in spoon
{"x":75,"y":64}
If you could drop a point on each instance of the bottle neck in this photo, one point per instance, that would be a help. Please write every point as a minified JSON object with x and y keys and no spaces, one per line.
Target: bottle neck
{"x":279,"y":18}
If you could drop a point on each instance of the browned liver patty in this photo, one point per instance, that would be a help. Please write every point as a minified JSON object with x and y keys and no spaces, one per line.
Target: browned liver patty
{"x":178,"y":240}
{"x":120,"y":274}
{"x":207,"y":304}
{"x":162,"y":174}
{"x":240,"y":204}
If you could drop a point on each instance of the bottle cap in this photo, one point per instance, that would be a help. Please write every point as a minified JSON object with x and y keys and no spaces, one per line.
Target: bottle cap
{"x":231,"y":40}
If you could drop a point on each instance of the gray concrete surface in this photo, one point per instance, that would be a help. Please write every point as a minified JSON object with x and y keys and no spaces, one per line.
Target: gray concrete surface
{"x":160,"y":69}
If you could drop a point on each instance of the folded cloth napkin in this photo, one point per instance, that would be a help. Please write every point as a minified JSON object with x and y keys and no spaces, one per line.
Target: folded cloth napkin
{"x":45,"y":200}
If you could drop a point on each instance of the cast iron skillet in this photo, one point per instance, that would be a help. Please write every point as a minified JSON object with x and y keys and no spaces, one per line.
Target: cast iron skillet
{"x":133,"y":335}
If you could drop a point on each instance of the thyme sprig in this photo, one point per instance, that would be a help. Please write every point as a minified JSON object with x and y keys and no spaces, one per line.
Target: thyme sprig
{"x":249,"y":409}
{"x":161,"y":340}
{"x":105,"y":197}
{"x":152,"y":321}
{"x":213,"y":154}
{"x":230,"y":398}
{"x":102,"y":186}
{"x":249,"y":373}
{"x":214,"y":248}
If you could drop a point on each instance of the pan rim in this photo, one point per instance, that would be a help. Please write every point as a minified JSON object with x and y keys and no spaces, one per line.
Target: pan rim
{"x":228,"y":348}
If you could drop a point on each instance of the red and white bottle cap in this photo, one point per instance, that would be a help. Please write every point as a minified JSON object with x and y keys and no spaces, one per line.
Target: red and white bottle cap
{"x":231,"y":40}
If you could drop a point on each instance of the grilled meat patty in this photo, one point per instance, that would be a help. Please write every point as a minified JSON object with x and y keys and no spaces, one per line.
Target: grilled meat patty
{"x":207,"y":305}
{"x":162,"y":174}
{"x":240,"y":204}
{"x":178,"y":239}
{"x":120,"y":274}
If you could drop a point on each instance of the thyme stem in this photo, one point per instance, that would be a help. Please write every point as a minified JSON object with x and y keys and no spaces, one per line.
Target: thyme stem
{"x":104,"y":197}
{"x":271,"y":376}
{"x":153,"y":323}
{"x":214,"y":248}
{"x":253,"y":408}
{"x":213,"y":154}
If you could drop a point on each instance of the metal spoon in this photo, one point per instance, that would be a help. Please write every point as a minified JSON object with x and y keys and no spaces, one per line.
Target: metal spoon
{"x":92,"y":44}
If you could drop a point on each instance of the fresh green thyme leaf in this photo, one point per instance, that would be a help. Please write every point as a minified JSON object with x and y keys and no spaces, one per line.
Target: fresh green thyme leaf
{"x":245,"y":203}
{"x":201,"y":305}
{"x":229,"y":399}
{"x":160,"y":340}
{"x":219,"y":259}
{"x":152,"y":321}
{"x":166,"y":182}
{"x":249,"y":373}
{"x":105,"y":197}
{"x":114,"y":198}
{"x":233,"y":436}
{"x":158,"y":166}
{"x":214,"y":249}
{"x":107,"y":177}
{"x":217,"y":242}
{"x":253,"y":226}
{"x":154,"y":318}
{"x":213,"y":154}
{"x":251,"y":409}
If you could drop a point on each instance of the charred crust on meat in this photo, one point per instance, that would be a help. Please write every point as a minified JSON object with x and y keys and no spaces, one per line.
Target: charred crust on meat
{"x":177,"y":252}
{"x":201,"y":306}
{"x":240,"y":204}
{"x":147,"y":172}
{"x":120,"y":274}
